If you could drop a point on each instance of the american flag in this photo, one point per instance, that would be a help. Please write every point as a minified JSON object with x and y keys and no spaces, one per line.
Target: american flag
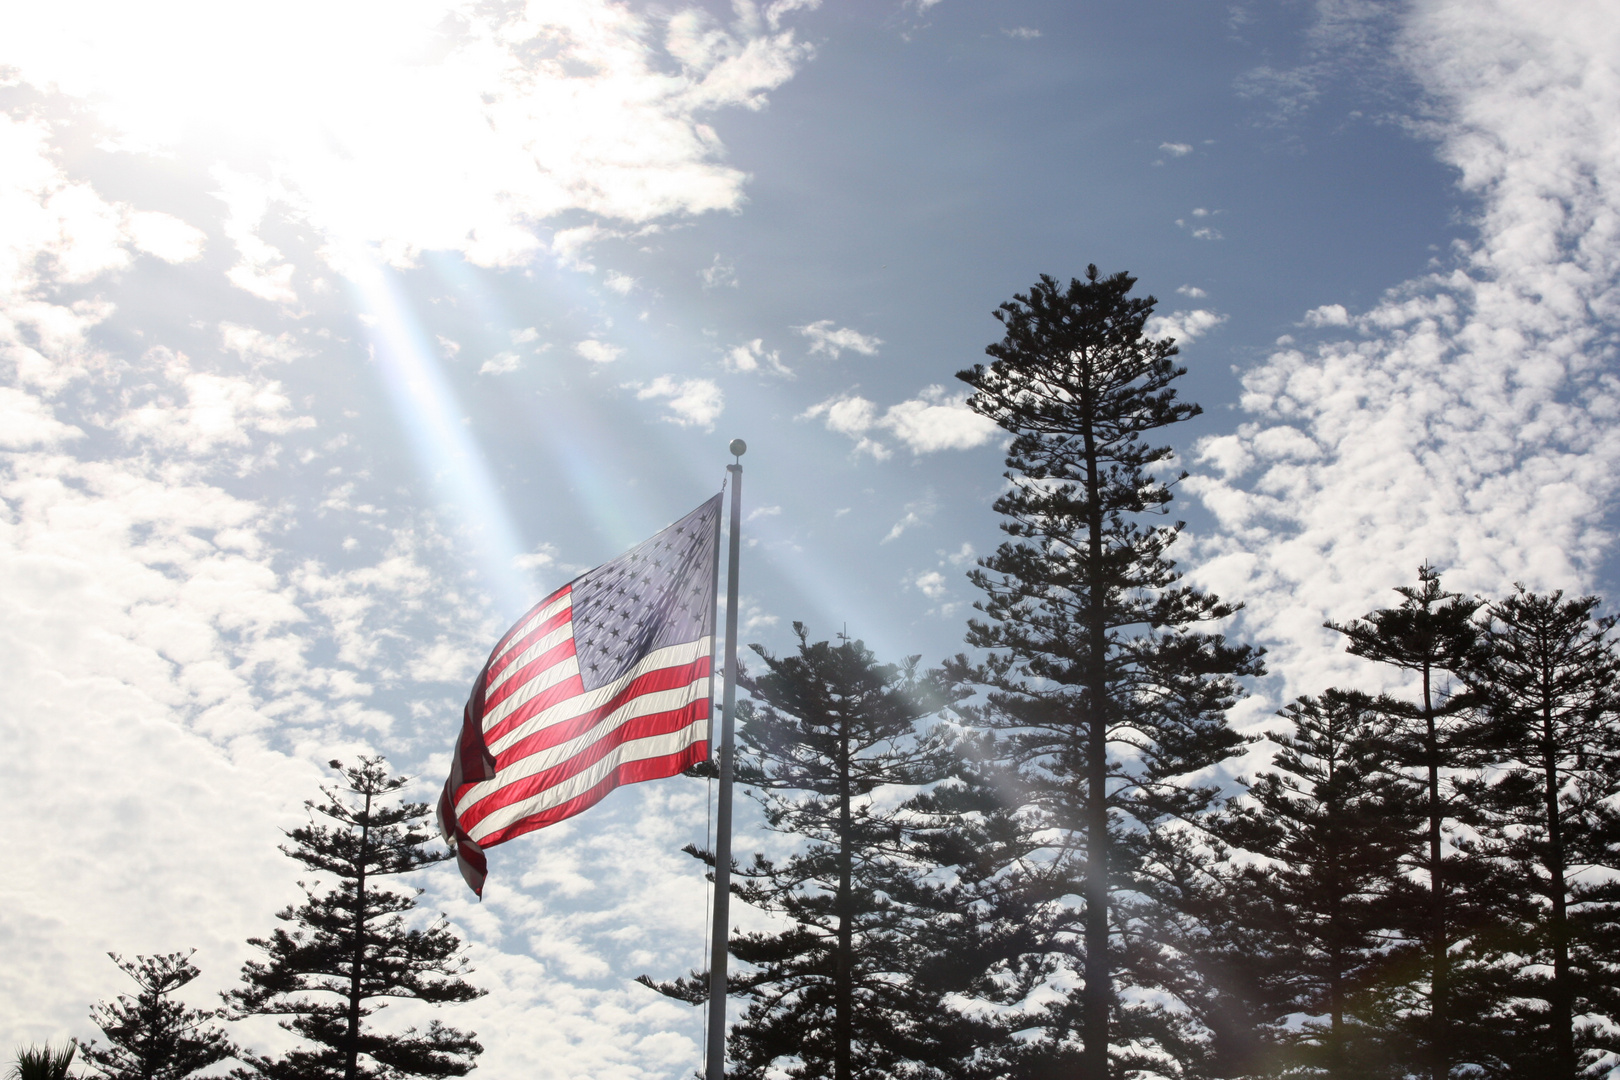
{"x":605,"y":682}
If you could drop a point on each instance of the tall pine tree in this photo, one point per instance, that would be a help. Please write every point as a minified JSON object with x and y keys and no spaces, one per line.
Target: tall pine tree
{"x":1336,"y":826}
{"x":1109,"y":694}
{"x":829,"y":734}
{"x":1548,"y":676}
{"x":153,"y":1036}
{"x":1432,"y":635}
{"x":350,"y":950}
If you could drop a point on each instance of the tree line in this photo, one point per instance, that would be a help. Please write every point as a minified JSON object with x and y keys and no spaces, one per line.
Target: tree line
{"x":1024,"y":865}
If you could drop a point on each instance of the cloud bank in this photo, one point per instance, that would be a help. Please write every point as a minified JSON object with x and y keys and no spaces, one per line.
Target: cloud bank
{"x":415,"y":125}
{"x":1469,"y":417}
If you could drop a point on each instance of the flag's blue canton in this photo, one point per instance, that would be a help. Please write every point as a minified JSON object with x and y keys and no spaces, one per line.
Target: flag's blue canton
{"x":660,"y":592}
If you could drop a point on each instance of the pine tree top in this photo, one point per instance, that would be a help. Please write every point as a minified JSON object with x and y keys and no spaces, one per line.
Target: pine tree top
{"x":391,"y":835}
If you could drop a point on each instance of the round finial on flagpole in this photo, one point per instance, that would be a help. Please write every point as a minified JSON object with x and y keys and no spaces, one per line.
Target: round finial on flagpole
{"x":738,"y":448}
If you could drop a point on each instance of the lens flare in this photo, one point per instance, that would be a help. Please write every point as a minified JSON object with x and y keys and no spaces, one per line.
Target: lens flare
{"x":429,"y":414}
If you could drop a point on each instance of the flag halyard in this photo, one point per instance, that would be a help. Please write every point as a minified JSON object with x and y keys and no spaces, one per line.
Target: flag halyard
{"x":605,"y":682}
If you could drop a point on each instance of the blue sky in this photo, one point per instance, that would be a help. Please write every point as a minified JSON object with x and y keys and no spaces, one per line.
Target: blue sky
{"x":330,"y":338}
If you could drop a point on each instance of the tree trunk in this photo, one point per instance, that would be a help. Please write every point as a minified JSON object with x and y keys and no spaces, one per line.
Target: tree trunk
{"x":351,"y":1065}
{"x":1560,"y":999}
{"x":1336,"y":876}
{"x":844,"y":985}
{"x":1335,"y":992}
{"x":1098,"y":993}
{"x":1440,"y":974}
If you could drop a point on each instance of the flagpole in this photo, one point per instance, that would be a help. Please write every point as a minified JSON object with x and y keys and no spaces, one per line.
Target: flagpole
{"x":722,"y":832}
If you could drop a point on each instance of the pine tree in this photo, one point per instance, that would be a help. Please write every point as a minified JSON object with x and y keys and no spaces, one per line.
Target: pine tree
{"x":1108,"y":694}
{"x":1432,"y":634}
{"x":983,"y":914}
{"x":1183,"y":937}
{"x":1337,"y":825}
{"x":1549,"y":676}
{"x":833,"y":995}
{"x":349,"y":946}
{"x":154,"y":1037}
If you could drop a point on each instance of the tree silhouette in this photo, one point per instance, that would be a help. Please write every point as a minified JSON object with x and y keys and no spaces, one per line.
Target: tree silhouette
{"x":349,"y":946}
{"x":152,"y":1036}
{"x":1549,"y":678}
{"x":1338,"y":825}
{"x":42,"y":1062}
{"x":1431,"y":634}
{"x":834,"y":994}
{"x":1107,"y":692}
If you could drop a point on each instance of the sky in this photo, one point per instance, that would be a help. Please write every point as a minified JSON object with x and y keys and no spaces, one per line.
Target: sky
{"x":333,"y":336}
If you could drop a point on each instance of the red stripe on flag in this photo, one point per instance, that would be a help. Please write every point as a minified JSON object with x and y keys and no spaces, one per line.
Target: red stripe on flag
{"x":631,"y":772}
{"x":650,"y":682}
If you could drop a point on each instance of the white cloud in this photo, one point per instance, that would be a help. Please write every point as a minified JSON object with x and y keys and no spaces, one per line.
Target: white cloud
{"x":56,"y":231}
{"x":752,"y":356}
{"x":718,"y":273}
{"x":523,"y":336}
{"x":938,"y":420}
{"x":451,"y":349}
{"x":541,"y":557}
{"x":1021,"y":33}
{"x":1472,"y":420}
{"x":910,"y":519}
{"x":1328,"y":315}
{"x":764,"y":511}
{"x":1176,"y":149}
{"x":569,"y":246}
{"x":852,"y":415}
{"x":1184,"y":326}
{"x":502,"y":363}
{"x":1192,"y":292}
{"x":691,"y":402}
{"x":931,"y":583}
{"x":445,"y":661}
{"x":261,"y":269}
{"x":26,"y":422}
{"x":209,"y":412}
{"x":1201,"y":231}
{"x":254,"y":345}
{"x":933,"y":420}
{"x":832,"y":341}
{"x":165,"y":236}
{"x":619,"y":283}
{"x":751,"y":616}
{"x":598,"y":352}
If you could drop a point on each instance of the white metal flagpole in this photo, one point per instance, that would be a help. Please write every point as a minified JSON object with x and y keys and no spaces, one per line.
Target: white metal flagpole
{"x":722,"y":826}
